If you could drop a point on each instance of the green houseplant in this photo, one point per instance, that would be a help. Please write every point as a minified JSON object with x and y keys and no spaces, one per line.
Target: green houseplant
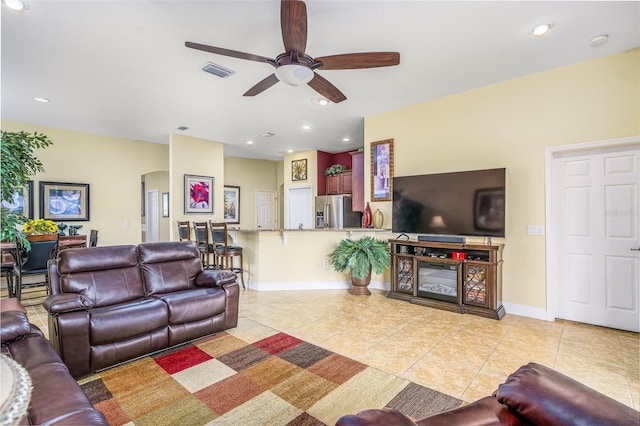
{"x":359,"y":258}
{"x":335,"y":169}
{"x":17,"y":165}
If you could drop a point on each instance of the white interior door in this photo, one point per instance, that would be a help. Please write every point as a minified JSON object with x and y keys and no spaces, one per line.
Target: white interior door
{"x":153,"y":216}
{"x":596,"y":225}
{"x":266,"y":209}
{"x":300,"y":208}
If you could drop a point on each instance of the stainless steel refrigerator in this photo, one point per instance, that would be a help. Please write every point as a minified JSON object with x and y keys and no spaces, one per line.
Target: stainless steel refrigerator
{"x":334,"y":212}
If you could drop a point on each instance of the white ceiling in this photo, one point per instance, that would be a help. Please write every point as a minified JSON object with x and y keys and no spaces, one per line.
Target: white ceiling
{"x":120,"y":68}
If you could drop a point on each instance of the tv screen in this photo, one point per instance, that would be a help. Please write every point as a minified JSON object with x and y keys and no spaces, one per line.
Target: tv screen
{"x":457,"y":203}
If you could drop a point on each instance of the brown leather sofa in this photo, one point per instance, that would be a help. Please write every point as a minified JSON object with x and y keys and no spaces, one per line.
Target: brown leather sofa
{"x":533,"y":395}
{"x":115,"y":303}
{"x":56,"y":398}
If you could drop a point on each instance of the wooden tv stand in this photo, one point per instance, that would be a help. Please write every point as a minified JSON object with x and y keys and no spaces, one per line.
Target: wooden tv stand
{"x":478,"y":276}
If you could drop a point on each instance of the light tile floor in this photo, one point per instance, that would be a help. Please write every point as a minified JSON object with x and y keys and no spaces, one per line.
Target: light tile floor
{"x":463,"y":356}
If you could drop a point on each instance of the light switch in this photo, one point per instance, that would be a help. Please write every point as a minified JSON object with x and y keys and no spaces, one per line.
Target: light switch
{"x":534,"y":230}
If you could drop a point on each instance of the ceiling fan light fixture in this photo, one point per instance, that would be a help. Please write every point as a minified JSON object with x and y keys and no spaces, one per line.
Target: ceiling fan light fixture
{"x":294,"y":74}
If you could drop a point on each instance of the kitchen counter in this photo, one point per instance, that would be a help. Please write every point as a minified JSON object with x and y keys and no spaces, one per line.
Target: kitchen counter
{"x":298,"y":259}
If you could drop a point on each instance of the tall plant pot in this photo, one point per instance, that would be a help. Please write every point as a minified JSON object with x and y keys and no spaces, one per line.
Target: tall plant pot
{"x":42,"y":237}
{"x":359,"y":285}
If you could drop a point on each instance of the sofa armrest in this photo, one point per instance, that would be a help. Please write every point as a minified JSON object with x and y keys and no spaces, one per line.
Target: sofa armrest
{"x":210,"y":278}
{"x":486,"y":411}
{"x":544,"y":396}
{"x":14,"y":325}
{"x":66,"y":302}
{"x":375,"y":417}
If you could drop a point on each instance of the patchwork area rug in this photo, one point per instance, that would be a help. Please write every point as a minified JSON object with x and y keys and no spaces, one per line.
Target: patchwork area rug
{"x":279,"y":380}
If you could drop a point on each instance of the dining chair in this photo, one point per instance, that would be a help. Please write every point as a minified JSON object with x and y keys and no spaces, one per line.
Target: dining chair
{"x":224,"y":252}
{"x":93,"y":238}
{"x":184,"y":230}
{"x":205,"y":247}
{"x":33,"y":262}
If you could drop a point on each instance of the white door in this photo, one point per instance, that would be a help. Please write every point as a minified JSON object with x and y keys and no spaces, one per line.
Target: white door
{"x":267,"y":209}
{"x":300,"y":208}
{"x":152,"y":215}
{"x":596,"y":225}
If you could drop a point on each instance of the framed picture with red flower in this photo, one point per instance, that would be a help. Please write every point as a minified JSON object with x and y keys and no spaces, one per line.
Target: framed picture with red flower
{"x":198,"y":194}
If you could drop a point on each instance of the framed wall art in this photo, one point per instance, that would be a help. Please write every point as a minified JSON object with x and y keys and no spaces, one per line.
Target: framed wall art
{"x":21,"y":201}
{"x":61,"y":201}
{"x":198,"y":194}
{"x":165,"y":204}
{"x":382,"y":170}
{"x":231,"y":204}
{"x":299,"y":169}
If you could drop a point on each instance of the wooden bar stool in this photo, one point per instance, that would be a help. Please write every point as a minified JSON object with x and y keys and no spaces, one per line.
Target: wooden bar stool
{"x":205,"y":247}
{"x":184,"y":230}
{"x":225,"y":253}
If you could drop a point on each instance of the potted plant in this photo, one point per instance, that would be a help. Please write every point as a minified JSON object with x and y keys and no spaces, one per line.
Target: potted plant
{"x":359,"y":258}
{"x":335,"y":169}
{"x":17,"y":165}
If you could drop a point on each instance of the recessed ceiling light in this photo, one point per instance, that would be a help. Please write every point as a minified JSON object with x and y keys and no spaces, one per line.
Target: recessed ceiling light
{"x":306,"y":127}
{"x":541,"y":30}
{"x":346,"y":139}
{"x":290,"y":151}
{"x":599,"y":40}
{"x":40,"y":99}
{"x":15,"y":4}
{"x":250,"y":143}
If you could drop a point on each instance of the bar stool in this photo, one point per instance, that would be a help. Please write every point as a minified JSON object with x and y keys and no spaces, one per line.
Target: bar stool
{"x":184,"y":230}
{"x":205,"y":247}
{"x":225,"y":253}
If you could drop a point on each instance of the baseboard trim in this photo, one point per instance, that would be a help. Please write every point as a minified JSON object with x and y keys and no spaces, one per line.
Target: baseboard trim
{"x":526,"y":311}
{"x":313,"y":285}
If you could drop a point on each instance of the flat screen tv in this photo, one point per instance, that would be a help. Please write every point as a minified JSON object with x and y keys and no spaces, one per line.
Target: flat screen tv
{"x":458,"y":203}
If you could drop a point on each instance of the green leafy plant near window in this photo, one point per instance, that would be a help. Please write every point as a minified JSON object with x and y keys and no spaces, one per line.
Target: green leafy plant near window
{"x":360,"y":257}
{"x":17,"y":165}
{"x":335,"y":169}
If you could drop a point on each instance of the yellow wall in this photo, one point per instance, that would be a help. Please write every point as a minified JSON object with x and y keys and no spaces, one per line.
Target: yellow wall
{"x":510,"y":124}
{"x":200,"y":157}
{"x":111,"y":166}
{"x":250,"y":175}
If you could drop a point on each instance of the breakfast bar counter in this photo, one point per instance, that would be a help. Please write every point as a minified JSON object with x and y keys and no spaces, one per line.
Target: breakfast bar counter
{"x":298,"y":259}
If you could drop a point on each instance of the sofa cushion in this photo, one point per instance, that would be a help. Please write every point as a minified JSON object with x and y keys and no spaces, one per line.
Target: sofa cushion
{"x":169,"y":266}
{"x":123,"y":321}
{"x":544,"y":396}
{"x":194,"y":305}
{"x":14,"y":325}
{"x":111,"y":269}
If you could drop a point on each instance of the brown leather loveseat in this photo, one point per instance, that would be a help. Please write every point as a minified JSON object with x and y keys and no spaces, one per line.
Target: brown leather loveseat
{"x":115,"y":303}
{"x":533,"y":395}
{"x":56,"y":398}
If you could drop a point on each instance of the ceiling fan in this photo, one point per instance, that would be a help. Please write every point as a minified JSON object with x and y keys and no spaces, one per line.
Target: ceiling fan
{"x":294,"y":66}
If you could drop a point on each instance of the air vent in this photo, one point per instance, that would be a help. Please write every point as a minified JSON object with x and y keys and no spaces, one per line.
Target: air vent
{"x":267,"y":134}
{"x":216,"y":69}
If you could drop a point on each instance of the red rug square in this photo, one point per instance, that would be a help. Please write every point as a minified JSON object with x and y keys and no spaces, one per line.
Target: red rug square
{"x":181,"y":360}
{"x":278,"y":343}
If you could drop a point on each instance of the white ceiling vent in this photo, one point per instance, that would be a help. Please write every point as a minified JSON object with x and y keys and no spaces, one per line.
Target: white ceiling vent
{"x":216,"y":69}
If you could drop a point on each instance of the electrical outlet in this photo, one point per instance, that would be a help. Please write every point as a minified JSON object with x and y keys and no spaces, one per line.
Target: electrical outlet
{"x":326,"y":263}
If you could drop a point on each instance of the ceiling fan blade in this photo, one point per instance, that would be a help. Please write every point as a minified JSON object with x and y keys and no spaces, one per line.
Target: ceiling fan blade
{"x":326,"y":89}
{"x":351,"y":61}
{"x":262,"y":85}
{"x":228,"y":52}
{"x":293,"y":21}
